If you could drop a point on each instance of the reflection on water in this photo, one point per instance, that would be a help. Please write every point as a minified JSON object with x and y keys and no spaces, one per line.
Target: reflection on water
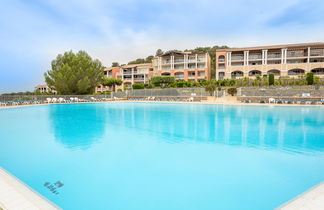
{"x":295,"y":129}
{"x":77,"y":125}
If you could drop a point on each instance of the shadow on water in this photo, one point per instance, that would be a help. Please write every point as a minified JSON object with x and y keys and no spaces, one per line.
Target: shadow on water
{"x":77,"y":126}
{"x":290,"y":129}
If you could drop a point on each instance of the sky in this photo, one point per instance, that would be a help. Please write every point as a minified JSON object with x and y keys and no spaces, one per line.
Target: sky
{"x":34,"y":32}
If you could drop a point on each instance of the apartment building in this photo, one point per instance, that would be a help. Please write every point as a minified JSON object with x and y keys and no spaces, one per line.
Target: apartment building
{"x":185,"y":66}
{"x":135,"y":74}
{"x":110,"y":72}
{"x":289,"y":60}
{"x":44,"y":89}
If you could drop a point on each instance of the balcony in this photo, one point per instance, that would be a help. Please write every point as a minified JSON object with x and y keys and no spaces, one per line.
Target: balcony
{"x":274,"y":55}
{"x":317,"y":52}
{"x":237,"y":58}
{"x":237,"y":64}
{"x":294,"y":54}
{"x":166,"y":62}
{"x":191,"y":75}
{"x":127,"y":72}
{"x":221,"y":60}
{"x":201,"y":74}
{"x":179,"y":75}
{"x":255,"y":57}
{"x":139,"y":79}
{"x":201,"y":60}
{"x":178,"y":61}
{"x":178,"y":67}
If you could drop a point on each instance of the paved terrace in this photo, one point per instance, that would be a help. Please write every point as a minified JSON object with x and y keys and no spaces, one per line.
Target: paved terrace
{"x":14,"y":195}
{"x":311,"y":200}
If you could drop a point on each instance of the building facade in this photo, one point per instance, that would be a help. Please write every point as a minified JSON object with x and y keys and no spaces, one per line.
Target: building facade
{"x":111,"y":72}
{"x":290,"y":60}
{"x":135,"y":74}
{"x":44,"y":89}
{"x":185,"y":66}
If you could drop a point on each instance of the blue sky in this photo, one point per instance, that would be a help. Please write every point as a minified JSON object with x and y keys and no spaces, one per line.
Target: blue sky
{"x":33,"y":32}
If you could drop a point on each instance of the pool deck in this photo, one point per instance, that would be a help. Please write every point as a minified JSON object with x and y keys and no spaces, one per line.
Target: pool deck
{"x":14,"y":195}
{"x":219,"y":101}
{"x":312,"y":199}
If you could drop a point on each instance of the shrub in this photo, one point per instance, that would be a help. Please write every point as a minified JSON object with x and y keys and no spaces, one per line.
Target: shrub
{"x":310,"y":78}
{"x":271,"y":79}
{"x":232,"y":91}
{"x":162,"y":81}
{"x":138,"y":86}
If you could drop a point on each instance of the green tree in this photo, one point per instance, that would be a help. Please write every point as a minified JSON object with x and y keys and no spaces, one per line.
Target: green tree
{"x":211,"y":86}
{"x":74,"y":73}
{"x":114,"y":64}
{"x":271,"y":79}
{"x":232,"y":91}
{"x":159,"y":52}
{"x":310,"y":78}
{"x":111,"y":82}
{"x":138,"y":86}
{"x":162,"y":81}
{"x":212,"y":53}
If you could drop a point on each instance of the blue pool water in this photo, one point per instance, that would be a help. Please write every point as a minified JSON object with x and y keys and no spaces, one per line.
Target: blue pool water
{"x":164,"y":156}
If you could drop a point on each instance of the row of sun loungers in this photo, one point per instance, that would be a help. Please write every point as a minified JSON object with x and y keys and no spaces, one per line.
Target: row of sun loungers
{"x":56,"y":100}
{"x":153,"y":98}
{"x":286,"y":101}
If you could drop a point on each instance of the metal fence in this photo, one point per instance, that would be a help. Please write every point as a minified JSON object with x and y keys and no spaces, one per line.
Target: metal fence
{"x":197,"y":93}
{"x":194,"y":94}
{"x":43,"y":98}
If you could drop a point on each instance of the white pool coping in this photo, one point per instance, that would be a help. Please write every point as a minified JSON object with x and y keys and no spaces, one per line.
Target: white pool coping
{"x":15,"y":195}
{"x":312,"y":199}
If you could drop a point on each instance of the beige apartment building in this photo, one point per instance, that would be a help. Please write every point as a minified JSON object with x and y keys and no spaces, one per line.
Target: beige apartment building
{"x":135,"y":74}
{"x":289,"y":60}
{"x":185,"y":66}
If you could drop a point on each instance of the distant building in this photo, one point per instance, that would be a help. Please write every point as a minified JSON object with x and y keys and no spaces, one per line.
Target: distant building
{"x":289,"y":60}
{"x":44,"y":89}
{"x":185,"y":66}
{"x":135,"y":74}
{"x":110,"y":72}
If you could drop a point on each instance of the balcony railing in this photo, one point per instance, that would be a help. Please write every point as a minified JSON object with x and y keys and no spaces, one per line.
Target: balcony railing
{"x":251,"y":57}
{"x":179,"y":76}
{"x":318,"y":52}
{"x":221,"y":60}
{"x":295,"y":54}
{"x":237,"y":58}
{"x":127,"y":72}
{"x":179,"y":61}
{"x":139,"y":79}
{"x":274,"y":55}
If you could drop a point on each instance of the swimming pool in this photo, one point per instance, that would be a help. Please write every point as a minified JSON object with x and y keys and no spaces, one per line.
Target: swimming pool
{"x":164,"y":156}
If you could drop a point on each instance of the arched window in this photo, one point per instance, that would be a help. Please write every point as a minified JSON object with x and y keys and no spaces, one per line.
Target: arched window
{"x":255,"y":73}
{"x":296,"y":72}
{"x":318,"y":71}
{"x":275,"y":72}
{"x":237,"y":73}
{"x":221,"y":58}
